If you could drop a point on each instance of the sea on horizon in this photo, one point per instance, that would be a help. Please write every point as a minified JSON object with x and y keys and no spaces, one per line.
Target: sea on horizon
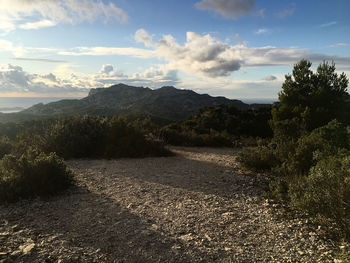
{"x":15,"y":104}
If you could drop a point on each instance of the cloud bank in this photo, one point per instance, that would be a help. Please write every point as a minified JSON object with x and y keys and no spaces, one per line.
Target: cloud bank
{"x":208,"y":56}
{"x":205,"y":55}
{"x":15,"y":80}
{"x":152,"y":77}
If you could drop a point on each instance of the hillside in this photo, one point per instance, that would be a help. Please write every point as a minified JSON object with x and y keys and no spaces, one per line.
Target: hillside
{"x":167,"y":103}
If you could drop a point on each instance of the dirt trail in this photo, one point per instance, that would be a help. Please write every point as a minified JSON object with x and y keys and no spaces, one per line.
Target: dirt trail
{"x":193,"y":207}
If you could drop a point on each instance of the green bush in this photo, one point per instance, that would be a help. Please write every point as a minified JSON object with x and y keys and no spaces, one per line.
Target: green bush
{"x":326,"y":190}
{"x":220,"y":126}
{"x":124,"y":140}
{"x":279,"y":189}
{"x":260,"y":158}
{"x":174,"y":136}
{"x":76,"y":137}
{"x":26,"y":140}
{"x":6,"y":146}
{"x":91,"y":137}
{"x":32,"y":174}
{"x":319,"y":144}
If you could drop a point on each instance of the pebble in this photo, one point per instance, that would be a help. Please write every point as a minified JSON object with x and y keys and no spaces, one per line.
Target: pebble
{"x":176,"y":209}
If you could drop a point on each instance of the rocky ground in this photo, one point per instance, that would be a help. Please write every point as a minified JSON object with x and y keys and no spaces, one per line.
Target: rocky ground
{"x":193,"y":207}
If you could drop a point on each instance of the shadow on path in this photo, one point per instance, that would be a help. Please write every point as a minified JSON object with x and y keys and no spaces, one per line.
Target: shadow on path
{"x":209,"y":171}
{"x":81,"y":226}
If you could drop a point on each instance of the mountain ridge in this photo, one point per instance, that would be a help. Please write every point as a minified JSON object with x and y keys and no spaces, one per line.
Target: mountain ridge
{"x":168,"y":103}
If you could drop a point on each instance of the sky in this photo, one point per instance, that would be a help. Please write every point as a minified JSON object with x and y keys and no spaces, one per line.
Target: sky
{"x":232,"y":48}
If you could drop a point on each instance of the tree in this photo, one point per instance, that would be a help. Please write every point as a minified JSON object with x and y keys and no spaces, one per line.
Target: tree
{"x":309,"y":100}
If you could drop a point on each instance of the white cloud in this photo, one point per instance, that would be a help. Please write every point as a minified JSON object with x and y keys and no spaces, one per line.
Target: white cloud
{"x":333,"y":23}
{"x":108,"y":51}
{"x":66,"y":82}
{"x":286,"y":56}
{"x":21,"y":13}
{"x":262,"y":31}
{"x":46,"y":60}
{"x":20,"y":51}
{"x":6,"y":23}
{"x":153,"y":77}
{"x":106,"y":69}
{"x":142,"y":36}
{"x":227,"y":8}
{"x":201,"y":54}
{"x":8,"y":46}
{"x":340,"y":45}
{"x":207,"y":56}
{"x":13,"y":79}
{"x":38,"y":24}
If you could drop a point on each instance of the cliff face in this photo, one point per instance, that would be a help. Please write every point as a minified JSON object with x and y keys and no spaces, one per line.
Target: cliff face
{"x":117,"y":97}
{"x":167,"y":103}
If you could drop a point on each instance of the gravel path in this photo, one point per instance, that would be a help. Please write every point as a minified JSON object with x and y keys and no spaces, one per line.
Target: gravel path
{"x":193,"y":207}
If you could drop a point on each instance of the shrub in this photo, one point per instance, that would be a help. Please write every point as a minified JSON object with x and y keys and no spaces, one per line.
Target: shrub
{"x":260,"y":158}
{"x":32,"y":174}
{"x":76,"y":137}
{"x":124,"y":140}
{"x":319,"y":144}
{"x":219,"y":126}
{"x":173,"y":136}
{"x":279,"y":189}
{"x":326,"y":190}
{"x":6,"y":146}
{"x":176,"y":136}
{"x":26,"y":140}
{"x":91,"y":137}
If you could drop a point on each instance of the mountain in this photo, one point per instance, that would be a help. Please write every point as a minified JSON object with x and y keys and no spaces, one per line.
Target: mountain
{"x":167,"y":103}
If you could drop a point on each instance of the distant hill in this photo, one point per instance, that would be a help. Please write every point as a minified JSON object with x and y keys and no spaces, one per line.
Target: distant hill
{"x":167,"y":103}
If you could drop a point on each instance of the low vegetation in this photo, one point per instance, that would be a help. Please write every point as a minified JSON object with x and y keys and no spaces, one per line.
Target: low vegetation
{"x":88,"y":137}
{"x":219,"y":126}
{"x":32,"y":164}
{"x":309,"y":152}
{"x":32,"y":174}
{"x":6,"y":146}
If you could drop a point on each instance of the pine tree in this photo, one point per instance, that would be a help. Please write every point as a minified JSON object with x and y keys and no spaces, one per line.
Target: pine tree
{"x":309,"y":100}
